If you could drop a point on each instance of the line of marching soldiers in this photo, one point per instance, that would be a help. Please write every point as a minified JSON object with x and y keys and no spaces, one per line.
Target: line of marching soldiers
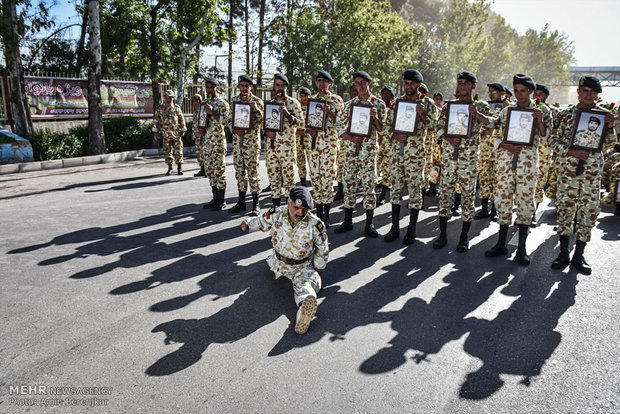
{"x":447,"y":151}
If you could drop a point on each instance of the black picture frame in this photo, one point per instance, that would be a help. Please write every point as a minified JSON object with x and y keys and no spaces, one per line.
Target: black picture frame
{"x":272,"y":123}
{"x":203,"y":117}
{"x":316,"y":122}
{"x":239,"y":121}
{"x":581,"y":137}
{"x":402,"y":122}
{"x":453,"y":110}
{"x":358,"y":111}
{"x":515,"y":131}
{"x":496,"y":107}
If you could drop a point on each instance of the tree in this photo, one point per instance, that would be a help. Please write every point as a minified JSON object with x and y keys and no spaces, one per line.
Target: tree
{"x":96,"y":139}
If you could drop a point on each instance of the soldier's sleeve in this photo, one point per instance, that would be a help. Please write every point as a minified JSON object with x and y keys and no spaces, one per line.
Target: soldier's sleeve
{"x":224,"y":110}
{"x":181,"y":119}
{"x":228,"y":119}
{"x":388,"y":127}
{"x":610,"y":139}
{"x":258,"y":115}
{"x":298,"y":116}
{"x":343,"y":121}
{"x":430,"y":114}
{"x":262,"y":222}
{"x":321,"y":246}
{"x":441,"y":123}
{"x":485,"y":109}
{"x":558,"y":133}
{"x":500,"y":123}
{"x":157,"y":120}
{"x":547,"y":121}
{"x":382,"y":112}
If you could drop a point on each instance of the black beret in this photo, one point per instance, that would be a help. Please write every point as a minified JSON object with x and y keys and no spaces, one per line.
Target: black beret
{"x":324,"y":74}
{"x":591,"y":82}
{"x":496,"y":85}
{"x":301,"y":197}
{"x":389,"y":89}
{"x":423,"y":88}
{"x":544,"y":88}
{"x":413,"y":75}
{"x":525,"y":80}
{"x":508,"y":90}
{"x":304,"y":90}
{"x":594,"y":119}
{"x":362,"y":74}
{"x":212,"y":81}
{"x":467,"y":75}
{"x":282,"y":77}
{"x":245,"y":78}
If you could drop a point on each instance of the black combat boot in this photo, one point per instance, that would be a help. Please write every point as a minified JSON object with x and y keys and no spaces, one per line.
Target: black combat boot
{"x":255,"y":209}
{"x":456,"y":211}
{"x":221,"y":200}
{"x":442,"y":240}
{"x":500,"y":248}
{"x":463,"y":245}
{"x":578,"y":262}
{"x":394,"y":232}
{"x":484,"y":211}
{"x":432,"y":190}
{"x":214,"y":200}
{"x":200,"y":173}
{"x":240,"y":206}
{"x":563,"y":258}
{"x":369,"y":229}
{"x":381,"y":198}
{"x":493,"y":213}
{"x":276,"y":202}
{"x":179,"y":169}
{"x":413,"y":220}
{"x":267,"y":189}
{"x":521,"y":256}
{"x":169,"y":170}
{"x":347,"y":224}
{"x":319,"y":211}
{"x":340,"y":193}
{"x":326,"y":208}
{"x":617,"y":210}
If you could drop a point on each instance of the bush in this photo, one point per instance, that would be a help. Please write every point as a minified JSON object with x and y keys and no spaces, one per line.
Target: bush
{"x":48,"y":145}
{"x":127,"y":133}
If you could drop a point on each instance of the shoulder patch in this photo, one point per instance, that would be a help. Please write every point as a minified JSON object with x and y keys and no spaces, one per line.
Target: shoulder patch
{"x":269,"y":212}
{"x":320,"y":226}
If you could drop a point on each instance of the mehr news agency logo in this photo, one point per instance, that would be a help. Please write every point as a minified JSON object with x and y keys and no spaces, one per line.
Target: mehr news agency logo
{"x":47,"y":396}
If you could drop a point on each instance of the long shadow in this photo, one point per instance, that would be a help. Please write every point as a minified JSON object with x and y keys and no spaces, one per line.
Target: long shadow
{"x":134,"y":186}
{"x":610,"y":226}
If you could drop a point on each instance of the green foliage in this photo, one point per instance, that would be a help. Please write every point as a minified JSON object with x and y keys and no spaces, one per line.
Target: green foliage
{"x":48,"y":145}
{"x":127,"y":133}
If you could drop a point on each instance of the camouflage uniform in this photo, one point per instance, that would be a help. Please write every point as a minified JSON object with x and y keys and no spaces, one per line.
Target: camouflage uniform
{"x":487,"y":163}
{"x":577,"y":194}
{"x":322,"y":158}
{"x":361,"y":166}
{"x":303,"y":147}
{"x":383,"y":155}
{"x":169,"y":121}
{"x":197,"y":137}
{"x":281,"y":158}
{"x":517,"y":186}
{"x":298,"y":250}
{"x":214,"y":144}
{"x":246,"y":156}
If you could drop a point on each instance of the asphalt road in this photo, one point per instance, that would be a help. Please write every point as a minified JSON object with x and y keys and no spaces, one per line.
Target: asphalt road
{"x":117,"y":285}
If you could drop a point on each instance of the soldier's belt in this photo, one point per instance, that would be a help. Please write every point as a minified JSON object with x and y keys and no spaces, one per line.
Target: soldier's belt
{"x":292,"y":261}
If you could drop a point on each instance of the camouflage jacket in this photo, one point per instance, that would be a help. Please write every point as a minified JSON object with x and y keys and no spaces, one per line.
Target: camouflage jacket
{"x":195,"y":130}
{"x":169,"y":121}
{"x":306,"y":239}
{"x":215,"y":128}
{"x":257,"y":117}
{"x":289,"y":129}
{"x":372,"y":100}
{"x":476,"y":124}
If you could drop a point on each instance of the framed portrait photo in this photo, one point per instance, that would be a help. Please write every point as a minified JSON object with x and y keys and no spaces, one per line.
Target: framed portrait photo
{"x":359,"y":120}
{"x":315,"y":114}
{"x":519,"y":128}
{"x":458,"y":121}
{"x":273,"y":119}
{"x":496,"y":107}
{"x":406,"y":117}
{"x":203,"y":117}
{"x":242,"y":115}
{"x":589,"y":131}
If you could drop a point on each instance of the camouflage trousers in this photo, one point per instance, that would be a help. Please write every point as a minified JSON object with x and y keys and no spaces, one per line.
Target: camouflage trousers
{"x":170,"y":144}
{"x":545,"y":159}
{"x":306,"y":280}
{"x":339,"y":159}
{"x":461,"y":172}
{"x":487,"y":165}
{"x":359,"y":167}
{"x":199,"y":157}
{"x":322,"y":162}
{"x":514,"y":186}
{"x":303,"y":148}
{"x":428,"y":157}
{"x":383,"y":162}
{"x":245,"y":160}
{"x":280,"y":168}
{"x":552,"y":179}
{"x":578,"y":195}
{"x":214,"y":155}
{"x":407,"y":172}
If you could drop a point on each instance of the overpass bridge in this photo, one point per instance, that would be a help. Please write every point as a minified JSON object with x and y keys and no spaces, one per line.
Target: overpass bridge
{"x":608,"y":75}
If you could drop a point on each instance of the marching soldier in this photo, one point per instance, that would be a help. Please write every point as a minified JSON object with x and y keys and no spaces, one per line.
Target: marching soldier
{"x":303,"y":138}
{"x":170,"y":121}
{"x":246,"y":146}
{"x":383,"y":155}
{"x":339,"y":167}
{"x":300,"y":249}
{"x":407,"y":156}
{"x":196,"y":99}
{"x":280,"y":146}
{"x":517,"y":168}
{"x":579,"y":176}
{"x":324,"y":147}
{"x":214,"y":143}
{"x":359,"y":154}
{"x":459,"y":162}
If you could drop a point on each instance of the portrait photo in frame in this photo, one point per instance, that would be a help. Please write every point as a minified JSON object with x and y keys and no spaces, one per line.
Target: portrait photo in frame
{"x":406,"y":117}
{"x":589,"y":130}
{"x":242,"y":115}
{"x":273,"y":119}
{"x":519,"y":128}
{"x":203,"y":117}
{"x":359,"y":120}
{"x":315,"y":114}
{"x":496,"y":107}
{"x":458,"y":121}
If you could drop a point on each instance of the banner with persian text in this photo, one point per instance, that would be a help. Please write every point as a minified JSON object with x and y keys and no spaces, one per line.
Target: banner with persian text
{"x":48,"y":96}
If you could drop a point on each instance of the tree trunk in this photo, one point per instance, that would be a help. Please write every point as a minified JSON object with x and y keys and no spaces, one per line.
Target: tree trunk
{"x":246,"y":16}
{"x":10,"y":38}
{"x":96,"y":139}
{"x":230,"y":46}
{"x":261,"y":35}
{"x":183,"y":57}
{"x":79,"y":63}
{"x":154,"y":43}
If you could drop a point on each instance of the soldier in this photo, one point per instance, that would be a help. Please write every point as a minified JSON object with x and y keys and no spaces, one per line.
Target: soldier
{"x":300,"y":249}
{"x":170,"y":121}
{"x":339,"y":167}
{"x":459,"y":162}
{"x":383,"y":155}
{"x":303,"y":139}
{"x":360,"y":154}
{"x":280,"y":146}
{"x":517,"y":168}
{"x":487,"y":159}
{"x":246,"y":146}
{"x":196,"y":99}
{"x":407,"y":157}
{"x":579,"y":176}
{"x":214,"y":143}
{"x":324,"y":147}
